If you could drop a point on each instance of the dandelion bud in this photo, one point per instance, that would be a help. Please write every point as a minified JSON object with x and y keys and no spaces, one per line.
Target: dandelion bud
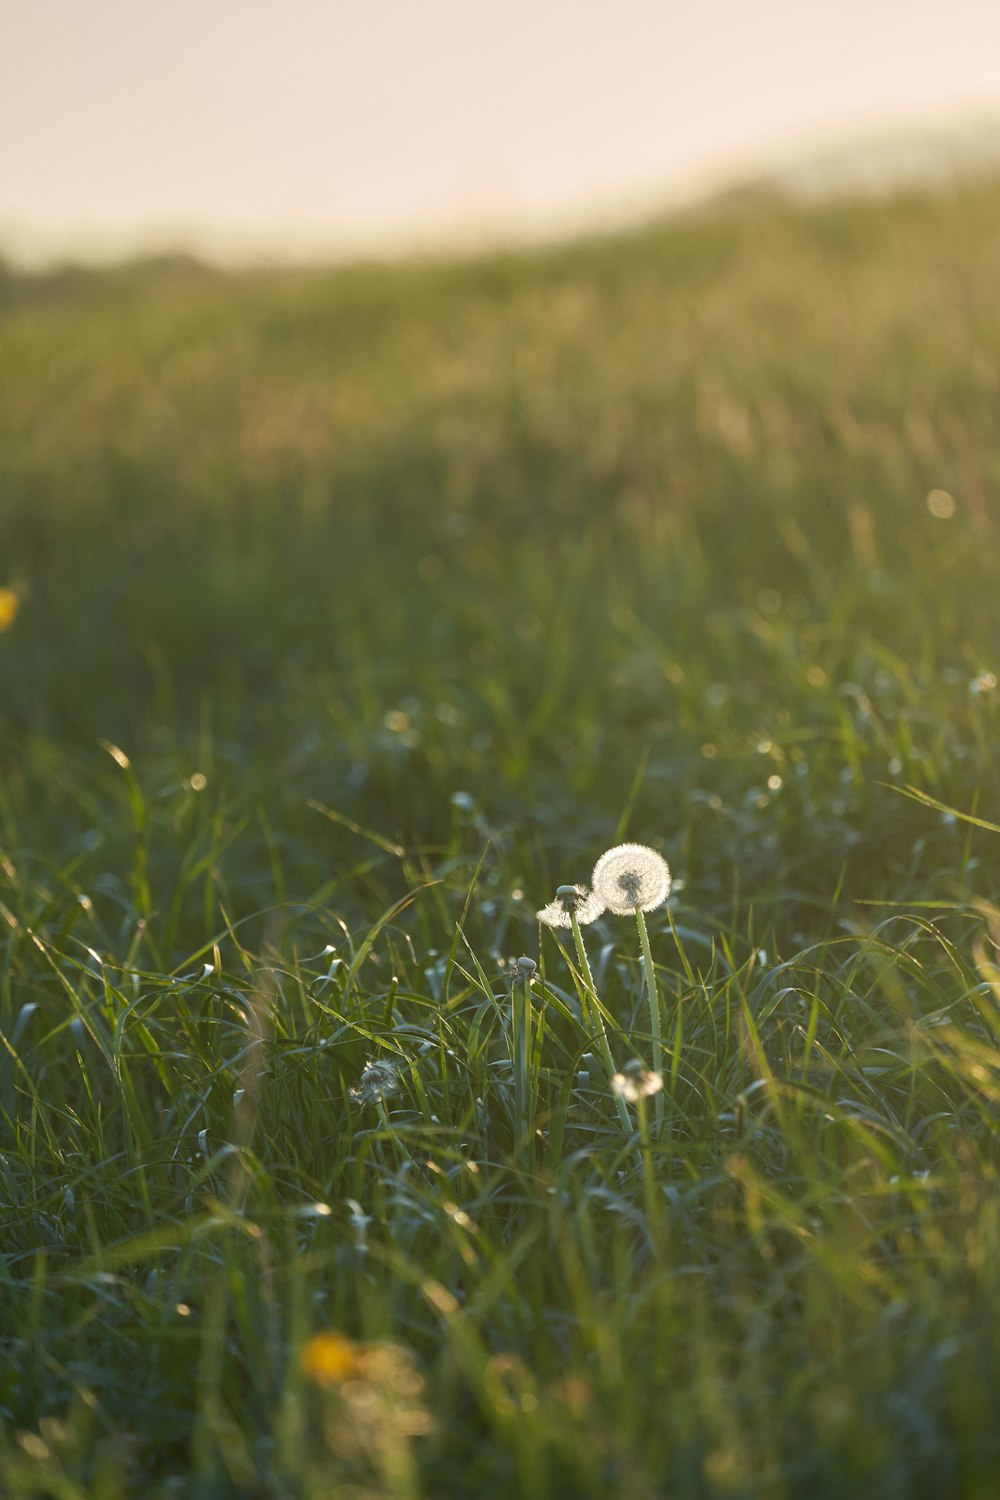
{"x":570,"y":898}
{"x":631,"y":878}
{"x":526,"y":969}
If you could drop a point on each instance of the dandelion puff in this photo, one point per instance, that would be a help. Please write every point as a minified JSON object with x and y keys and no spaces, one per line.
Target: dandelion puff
{"x":379,"y":1079}
{"x":570,"y":899}
{"x":636,"y":1081}
{"x":631,"y":878}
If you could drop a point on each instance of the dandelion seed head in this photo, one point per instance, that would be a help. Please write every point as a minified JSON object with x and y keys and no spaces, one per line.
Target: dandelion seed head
{"x":631,"y":878}
{"x":570,"y":898}
{"x":636,"y":1081}
{"x":379,"y":1079}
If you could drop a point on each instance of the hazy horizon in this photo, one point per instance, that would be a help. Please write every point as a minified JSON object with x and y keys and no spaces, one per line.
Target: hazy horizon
{"x":236,"y":131}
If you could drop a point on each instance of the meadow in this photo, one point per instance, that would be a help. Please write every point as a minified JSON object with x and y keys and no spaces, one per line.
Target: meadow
{"x":353,"y":611}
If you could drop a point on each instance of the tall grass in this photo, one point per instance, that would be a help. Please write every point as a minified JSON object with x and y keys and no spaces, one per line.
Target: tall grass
{"x":358,"y":611}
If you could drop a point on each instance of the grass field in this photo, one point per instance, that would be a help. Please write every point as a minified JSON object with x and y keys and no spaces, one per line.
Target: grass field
{"x":358,"y":610}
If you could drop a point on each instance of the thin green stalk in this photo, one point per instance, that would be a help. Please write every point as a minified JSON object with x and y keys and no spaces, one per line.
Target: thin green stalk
{"x":653,"y":997}
{"x":520,"y":1023}
{"x":598,"y":1019}
{"x":648,"y":1174}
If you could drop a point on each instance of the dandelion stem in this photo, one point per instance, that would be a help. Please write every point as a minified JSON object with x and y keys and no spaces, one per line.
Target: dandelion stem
{"x":520,"y":1020}
{"x":653,"y":997}
{"x":597,"y":1019}
{"x":648,"y":1175}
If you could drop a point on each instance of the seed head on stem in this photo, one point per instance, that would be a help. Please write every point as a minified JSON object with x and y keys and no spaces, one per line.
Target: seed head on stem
{"x":636,"y":1081}
{"x":570,"y":900}
{"x":632,"y":879}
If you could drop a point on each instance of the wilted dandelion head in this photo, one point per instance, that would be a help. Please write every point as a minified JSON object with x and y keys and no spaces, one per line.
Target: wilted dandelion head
{"x":379,"y":1079}
{"x":631,"y":878}
{"x":636,"y":1081}
{"x":522,"y":970}
{"x":570,"y":899}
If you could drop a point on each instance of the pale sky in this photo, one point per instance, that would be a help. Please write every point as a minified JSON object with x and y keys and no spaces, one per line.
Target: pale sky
{"x":289,"y":126}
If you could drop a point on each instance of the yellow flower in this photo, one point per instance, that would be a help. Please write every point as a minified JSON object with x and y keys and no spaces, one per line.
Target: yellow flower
{"x":330,"y":1358}
{"x":9,"y":604}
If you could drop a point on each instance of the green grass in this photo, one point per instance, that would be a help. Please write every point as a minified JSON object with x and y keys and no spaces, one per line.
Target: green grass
{"x":397,"y":594}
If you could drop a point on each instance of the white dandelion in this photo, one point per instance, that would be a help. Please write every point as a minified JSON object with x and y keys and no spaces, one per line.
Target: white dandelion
{"x":631,"y":878}
{"x":379,"y":1079}
{"x":571,"y":899}
{"x":636,"y":1081}
{"x":574,"y":906}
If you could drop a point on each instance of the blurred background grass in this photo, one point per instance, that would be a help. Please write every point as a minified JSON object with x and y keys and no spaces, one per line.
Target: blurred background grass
{"x":649,"y":509}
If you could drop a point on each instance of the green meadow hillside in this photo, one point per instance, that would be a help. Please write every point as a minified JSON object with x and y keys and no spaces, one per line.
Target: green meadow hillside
{"x":348,"y":613}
